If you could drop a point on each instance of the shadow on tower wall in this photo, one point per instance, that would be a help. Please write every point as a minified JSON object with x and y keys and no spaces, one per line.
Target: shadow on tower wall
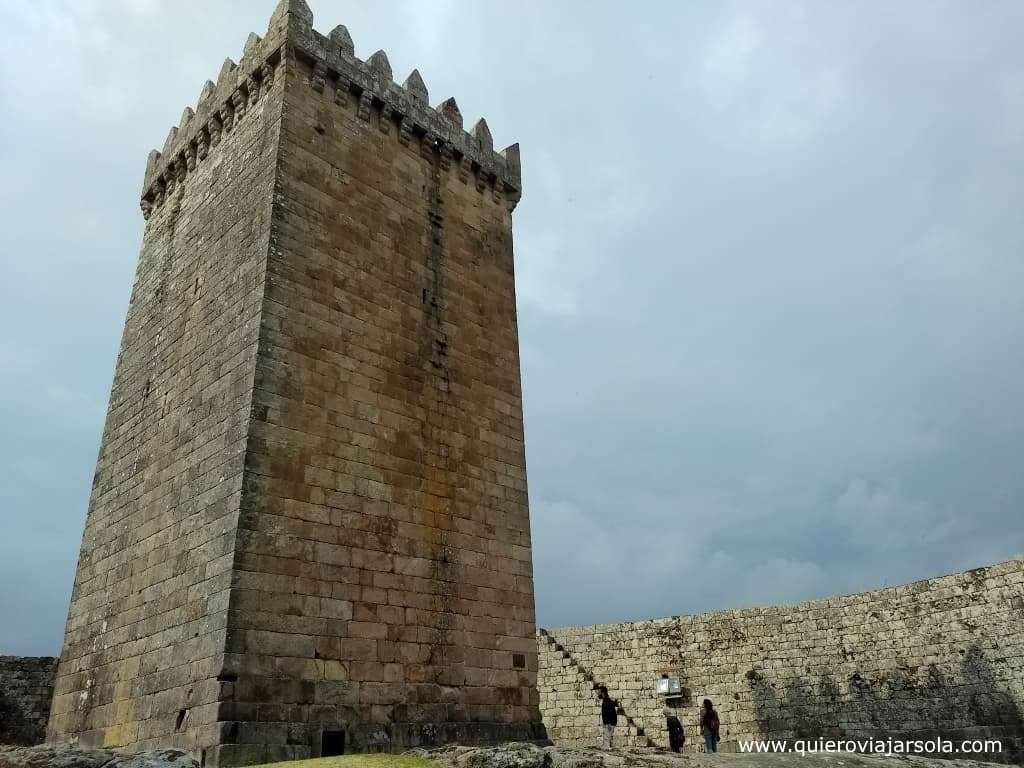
{"x":26,"y":686}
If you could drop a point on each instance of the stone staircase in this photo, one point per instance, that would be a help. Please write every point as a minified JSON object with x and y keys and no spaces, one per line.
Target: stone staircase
{"x":635,"y":734}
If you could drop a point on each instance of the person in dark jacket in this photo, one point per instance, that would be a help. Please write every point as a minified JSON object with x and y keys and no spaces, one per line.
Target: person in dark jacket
{"x":709,"y":726}
{"x":676,"y":735}
{"x":609,"y":716}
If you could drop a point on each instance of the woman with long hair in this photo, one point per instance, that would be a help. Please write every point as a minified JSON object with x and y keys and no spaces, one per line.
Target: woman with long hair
{"x":709,"y":726}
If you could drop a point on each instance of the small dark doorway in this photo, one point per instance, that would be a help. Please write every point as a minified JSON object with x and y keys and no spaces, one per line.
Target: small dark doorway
{"x":332,"y":743}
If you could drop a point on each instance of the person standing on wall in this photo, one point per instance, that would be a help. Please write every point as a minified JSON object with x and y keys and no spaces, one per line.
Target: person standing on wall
{"x":709,"y":726}
{"x":609,"y":716}
{"x":676,"y":734}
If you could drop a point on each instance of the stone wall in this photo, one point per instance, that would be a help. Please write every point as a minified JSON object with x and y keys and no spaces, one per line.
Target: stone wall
{"x":26,"y":686}
{"x":144,"y":644}
{"x":384,"y":586}
{"x":938,"y":657}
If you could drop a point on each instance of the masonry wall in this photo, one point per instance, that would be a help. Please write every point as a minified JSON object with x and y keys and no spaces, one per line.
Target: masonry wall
{"x":384,"y":584}
{"x":939,"y":657}
{"x":26,"y":687}
{"x":147,"y":625}
{"x":310,"y":510}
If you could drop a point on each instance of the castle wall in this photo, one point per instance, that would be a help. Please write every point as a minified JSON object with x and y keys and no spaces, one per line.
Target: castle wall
{"x":310,"y":508}
{"x":147,"y":623}
{"x":939,"y":657}
{"x":26,"y":687}
{"x":384,"y":584}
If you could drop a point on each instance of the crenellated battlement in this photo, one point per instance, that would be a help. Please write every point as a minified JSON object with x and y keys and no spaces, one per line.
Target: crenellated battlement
{"x":334,"y":69}
{"x":219,"y":107}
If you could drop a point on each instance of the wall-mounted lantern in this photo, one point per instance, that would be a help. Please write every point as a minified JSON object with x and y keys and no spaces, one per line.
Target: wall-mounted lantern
{"x":668,"y":687}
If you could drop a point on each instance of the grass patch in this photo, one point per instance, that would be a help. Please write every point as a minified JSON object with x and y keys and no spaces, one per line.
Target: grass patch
{"x":356,"y":761}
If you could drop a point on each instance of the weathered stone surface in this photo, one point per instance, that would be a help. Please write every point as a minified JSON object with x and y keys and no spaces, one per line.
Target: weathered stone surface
{"x":531,"y":756}
{"x":515,"y":755}
{"x":26,"y":687}
{"x":309,"y":514}
{"x":938,"y":657}
{"x":66,"y":756}
{"x":53,"y":756}
{"x":144,"y":652}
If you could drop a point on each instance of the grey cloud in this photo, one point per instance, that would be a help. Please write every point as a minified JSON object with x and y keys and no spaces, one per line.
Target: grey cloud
{"x":769,"y":274}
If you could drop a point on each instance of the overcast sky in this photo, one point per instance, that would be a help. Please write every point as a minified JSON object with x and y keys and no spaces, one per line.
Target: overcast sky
{"x":770,"y":263}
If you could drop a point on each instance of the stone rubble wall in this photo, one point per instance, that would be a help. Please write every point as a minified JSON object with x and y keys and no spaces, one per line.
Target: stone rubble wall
{"x":26,"y":687}
{"x":942,"y":657}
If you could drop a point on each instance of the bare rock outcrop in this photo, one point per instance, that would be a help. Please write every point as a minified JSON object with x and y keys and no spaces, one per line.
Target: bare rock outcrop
{"x":65,"y":756}
{"x":525,"y":755}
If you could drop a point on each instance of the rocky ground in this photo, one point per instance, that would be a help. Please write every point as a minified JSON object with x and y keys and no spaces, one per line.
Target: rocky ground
{"x":506,"y":756}
{"x":530,"y":756}
{"x":62,"y":756}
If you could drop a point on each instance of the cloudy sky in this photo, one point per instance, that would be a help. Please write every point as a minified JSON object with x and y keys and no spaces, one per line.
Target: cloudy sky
{"x":770,"y":263}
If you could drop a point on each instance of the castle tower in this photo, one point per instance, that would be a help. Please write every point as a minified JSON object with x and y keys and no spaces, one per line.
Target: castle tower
{"x":308,"y":530}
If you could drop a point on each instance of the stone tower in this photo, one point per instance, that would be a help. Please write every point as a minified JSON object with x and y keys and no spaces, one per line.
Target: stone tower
{"x":308,"y":531}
